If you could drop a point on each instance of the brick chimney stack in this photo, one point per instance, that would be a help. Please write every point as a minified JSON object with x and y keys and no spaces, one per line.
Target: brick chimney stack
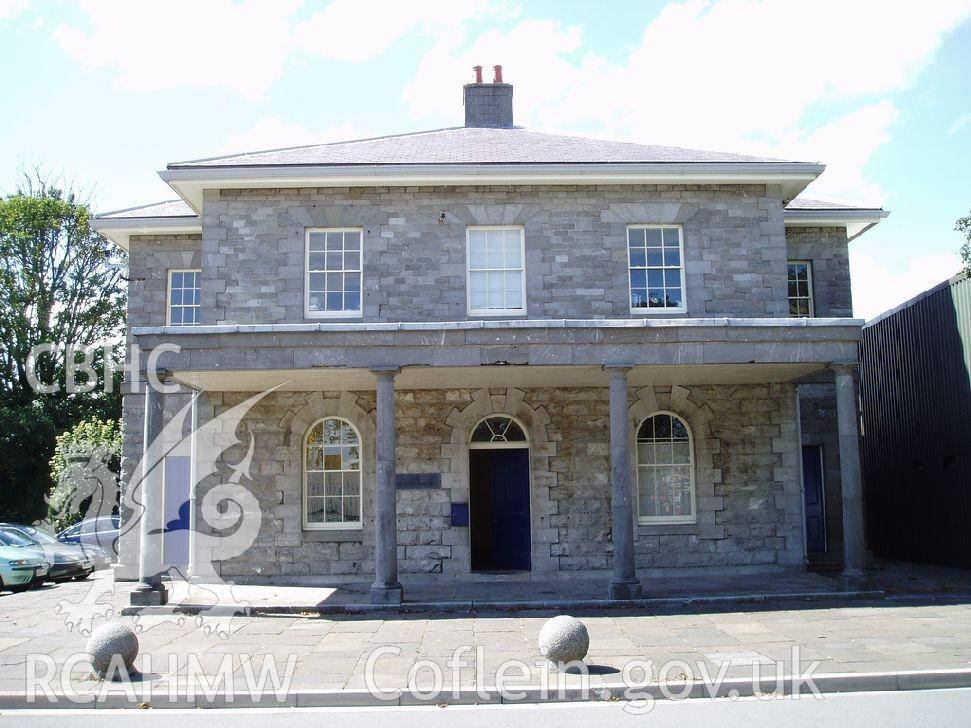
{"x":488,"y":105}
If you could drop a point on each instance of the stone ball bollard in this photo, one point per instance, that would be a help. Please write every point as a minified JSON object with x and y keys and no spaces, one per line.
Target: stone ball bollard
{"x":564,"y":639}
{"x":109,"y":640}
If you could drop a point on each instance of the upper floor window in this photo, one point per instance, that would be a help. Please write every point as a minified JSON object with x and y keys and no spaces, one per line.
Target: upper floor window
{"x":665,"y":471}
{"x":184,"y":297}
{"x":655,"y":255}
{"x":333,"y":277}
{"x":332,"y":475}
{"x":496,"y":271}
{"x":800,"y":288}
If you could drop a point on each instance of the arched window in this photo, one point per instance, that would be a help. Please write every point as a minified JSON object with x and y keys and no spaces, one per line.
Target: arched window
{"x":499,"y":430}
{"x":665,"y":470}
{"x":332,"y":475}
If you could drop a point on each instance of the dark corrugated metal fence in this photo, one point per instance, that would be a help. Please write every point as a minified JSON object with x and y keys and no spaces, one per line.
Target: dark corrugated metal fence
{"x":916,"y":408}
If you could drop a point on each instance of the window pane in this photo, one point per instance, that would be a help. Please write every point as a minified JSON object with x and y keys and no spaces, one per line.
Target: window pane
{"x":494,"y":248}
{"x":317,"y":241}
{"x":352,"y":241}
{"x":655,"y":298}
{"x":638,"y":258}
{"x":352,"y":260}
{"x":638,"y":279}
{"x":513,"y":252}
{"x":672,"y":237}
{"x":477,"y":252}
{"x":335,"y":302}
{"x":653,"y":236}
{"x":672,"y":256}
{"x":655,"y":257}
{"x":672,"y":278}
{"x":674,"y":299}
{"x":317,"y":281}
{"x":635,"y":237}
{"x":335,"y":261}
{"x":638,"y":298}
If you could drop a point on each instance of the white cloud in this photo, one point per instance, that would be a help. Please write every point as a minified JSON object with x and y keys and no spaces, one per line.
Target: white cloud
{"x":274,"y":133}
{"x":877,"y":287}
{"x":10,"y":9}
{"x":958,"y":124}
{"x":782,"y":79}
{"x":184,"y":43}
{"x":358,"y":30}
{"x":244,"y":45}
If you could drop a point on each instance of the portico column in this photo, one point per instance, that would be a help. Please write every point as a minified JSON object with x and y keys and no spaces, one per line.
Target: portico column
{"x":624,"y":584}
{"x":854,"y":548}
{"x":150,"y":590}
{"x":192,"y":568}
{"x":386,"y":589}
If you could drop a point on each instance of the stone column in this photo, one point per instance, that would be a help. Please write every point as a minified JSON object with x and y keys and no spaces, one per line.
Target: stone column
{"x":854,"y":548}
{"x":386,"y":589}
{"x":624,"y":584}
{"x":150,"y":590}
{"x":192,"y":568}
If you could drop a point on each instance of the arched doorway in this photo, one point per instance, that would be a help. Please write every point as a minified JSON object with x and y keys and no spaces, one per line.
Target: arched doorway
{"x":499,"y":524}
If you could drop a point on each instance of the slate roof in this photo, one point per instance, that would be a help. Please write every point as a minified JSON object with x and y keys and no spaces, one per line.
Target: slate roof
{"x":166,"y":208}
{"x":803,"y":204}
{"x":461,"y":145}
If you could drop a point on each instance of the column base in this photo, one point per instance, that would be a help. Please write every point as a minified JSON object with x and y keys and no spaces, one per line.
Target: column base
{"x":386,"y":593}
{"x":854,"y":579}
{"x":624,"y":589}
{"x":146,"y":595}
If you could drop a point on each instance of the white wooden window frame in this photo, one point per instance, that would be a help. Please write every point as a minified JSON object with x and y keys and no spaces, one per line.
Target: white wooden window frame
{"x":667,"y":520}
{"x":168,"y":297}
{"x":683,"y":308}
{"x":809,"y":281}
{"x":308,"y":312}
{"x":469,"y":270}
{"x":333,"y":525}
{"x":499,"y":444}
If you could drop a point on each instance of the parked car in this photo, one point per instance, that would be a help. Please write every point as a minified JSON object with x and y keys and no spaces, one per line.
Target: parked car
{"x":67,"y":561}
{"x":101,"y":531}
{"x":21,"y":565}
{"x":95,"y":554}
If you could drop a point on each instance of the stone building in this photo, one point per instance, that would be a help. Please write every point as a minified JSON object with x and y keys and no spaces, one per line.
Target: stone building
{"x":485,"y":352}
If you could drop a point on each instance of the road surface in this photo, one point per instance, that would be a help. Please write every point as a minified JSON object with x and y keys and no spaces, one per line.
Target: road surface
{"x":938,"y":708}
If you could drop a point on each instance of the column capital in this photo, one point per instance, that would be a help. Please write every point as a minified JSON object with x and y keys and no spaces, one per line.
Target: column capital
{"x":385,"y":372}
{"x":844,"y":367}
{"x":617,"y":369}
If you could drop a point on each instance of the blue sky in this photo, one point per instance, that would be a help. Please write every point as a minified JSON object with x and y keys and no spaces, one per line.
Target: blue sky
{"x":105,"y":93}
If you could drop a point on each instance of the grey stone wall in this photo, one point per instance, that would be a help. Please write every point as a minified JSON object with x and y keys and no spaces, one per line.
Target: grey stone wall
{"x":414,"y":265}
{"x":828,"y":250}
{"x":488,"y":105}
{"x":749,"y":513}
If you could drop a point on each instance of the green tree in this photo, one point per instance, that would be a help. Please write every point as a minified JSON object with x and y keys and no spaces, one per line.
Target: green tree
{"x":79,"y":454}
{"x":58,"y":286}
{"x":963,"y":225}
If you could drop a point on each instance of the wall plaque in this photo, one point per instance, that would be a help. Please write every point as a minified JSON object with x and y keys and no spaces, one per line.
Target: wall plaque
{"x":418,"y":481}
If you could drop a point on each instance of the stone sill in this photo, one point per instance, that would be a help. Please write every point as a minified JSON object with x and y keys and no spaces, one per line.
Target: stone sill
{"x":324,"y":535}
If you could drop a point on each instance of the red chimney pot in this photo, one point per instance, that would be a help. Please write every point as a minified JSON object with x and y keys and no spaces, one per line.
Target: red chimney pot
{"x":498,"y":78}
{"x":478,"y":73}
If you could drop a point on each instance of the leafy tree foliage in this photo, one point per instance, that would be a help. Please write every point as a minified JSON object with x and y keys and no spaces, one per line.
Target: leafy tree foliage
{"x":57,"y":286}
{"x":92,"y":442}
{"x":963,"y":225}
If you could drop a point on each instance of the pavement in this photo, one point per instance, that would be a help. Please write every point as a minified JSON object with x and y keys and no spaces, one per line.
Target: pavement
{"x":938,"y":708}
{"x":893,"y":642}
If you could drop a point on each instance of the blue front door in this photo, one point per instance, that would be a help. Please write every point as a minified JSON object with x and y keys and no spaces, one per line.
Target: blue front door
{"x":812,"y":479}
{"x":499,"y":506}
